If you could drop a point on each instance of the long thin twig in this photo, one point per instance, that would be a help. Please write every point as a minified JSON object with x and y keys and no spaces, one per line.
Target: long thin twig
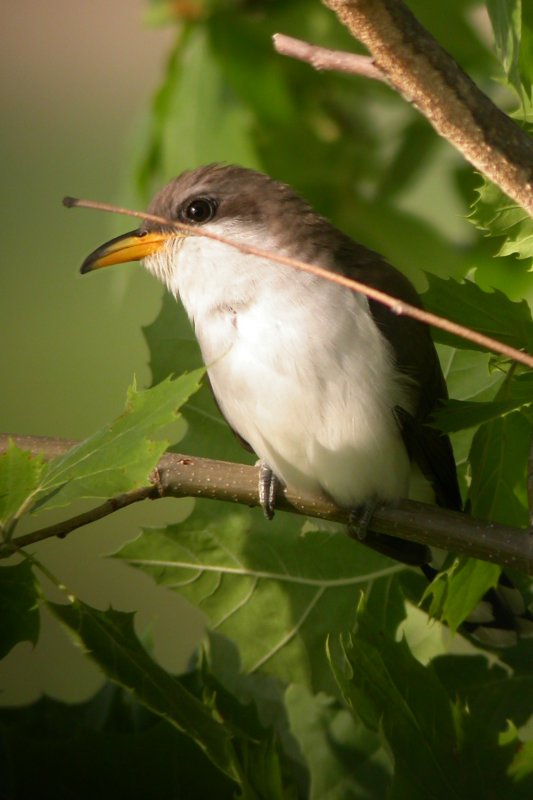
{"x":428,"y":77}
{"x":323,"y":58}
{"x":191,"y":476}
{"x":395,"y":305}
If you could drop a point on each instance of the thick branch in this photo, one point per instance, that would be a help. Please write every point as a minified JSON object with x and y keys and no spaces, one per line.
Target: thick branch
{"x":189,"y":476}
{"x":427,"y":76}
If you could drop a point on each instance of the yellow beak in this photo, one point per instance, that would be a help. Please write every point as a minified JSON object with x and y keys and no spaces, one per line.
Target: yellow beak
{"x":132,"y":246}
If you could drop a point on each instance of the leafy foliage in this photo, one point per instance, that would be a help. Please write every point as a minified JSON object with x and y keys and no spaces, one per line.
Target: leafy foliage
{"x":302,"y":689}
{"x":408,"y":706}
{"x":496,"y":215}
{"x":110,"y":637}
{"x":236,"y":572}
{"x":118,"y":458}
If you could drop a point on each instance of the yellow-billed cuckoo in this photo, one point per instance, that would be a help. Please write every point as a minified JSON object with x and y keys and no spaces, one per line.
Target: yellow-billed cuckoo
{"x":331,"y":390}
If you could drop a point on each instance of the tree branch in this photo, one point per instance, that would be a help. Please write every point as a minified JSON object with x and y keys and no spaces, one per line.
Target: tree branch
{"x":396,"y":306}
{"x":191,"y":476}
{"x":322,"y":58}
{"x":424,"y":74}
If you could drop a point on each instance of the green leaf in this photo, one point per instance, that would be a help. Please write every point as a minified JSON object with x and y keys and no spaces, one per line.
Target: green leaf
{"x":19,"y":613}
{"x":120,"y":456}
{"x":469,"y":378}
{"x":498,"y":216}
{"x":442,"y":747}
{"x":490,"y":313}
{"x":344,"y":758}
{"x":468,"y":374}
{"x":405,"y":703}
{"x":526,"y":49}
{"x":457,"y":590}
{"x":173,"y":348}
{"x":259,"y":746}
{"x":506,"y":18}
{"x":458,"y":415}
{"x":493,"y":695}
{"x":20,"y":473}
{"x":499,"y":458}
{"x":193,"y":102}
{"x":109,"y":638}
{"x":238,"y":571}
{"x":522,"y":766}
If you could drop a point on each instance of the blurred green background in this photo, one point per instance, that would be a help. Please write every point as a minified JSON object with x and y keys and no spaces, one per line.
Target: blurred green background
{"x":78,"y":78}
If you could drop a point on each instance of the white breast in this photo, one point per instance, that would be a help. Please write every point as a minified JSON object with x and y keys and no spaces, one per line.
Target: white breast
{"x":298,"y":367}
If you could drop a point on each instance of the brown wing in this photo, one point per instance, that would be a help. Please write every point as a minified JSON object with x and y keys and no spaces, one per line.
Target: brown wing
{"x":416,"y":356}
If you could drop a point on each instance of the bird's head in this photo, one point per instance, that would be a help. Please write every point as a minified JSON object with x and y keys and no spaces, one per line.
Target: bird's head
{"x":230,"y":201}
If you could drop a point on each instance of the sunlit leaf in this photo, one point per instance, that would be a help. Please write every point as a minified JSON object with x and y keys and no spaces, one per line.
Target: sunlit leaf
{"x":121,"y":456}
{"x":458,"y":590}
{"x":497,"y":215}
{"x":277,"y":594}
{"x":20,"y":473}
{"x":490,"y":313}
{"x":499,"y":458}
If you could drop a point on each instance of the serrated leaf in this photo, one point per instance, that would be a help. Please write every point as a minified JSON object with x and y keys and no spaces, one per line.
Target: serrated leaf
{"x":498,"y":703}
{"x":458,"y":415}
{"x":258,"y":744}
{"x":20,"y":473}
{"x":490,"y":313}
{"x":239,"y":571}
{"x":444,"y":741}
{"x":458,"y":590}
{"x":397,"y":697}
{"x":499,"y":458}
{"x":19,"y":612}
{"x":506,"y":18}
{"x":344,"y":758}
{"x":497,"y":215}
{"x":109,"y":638}
{"x":120,"y":456}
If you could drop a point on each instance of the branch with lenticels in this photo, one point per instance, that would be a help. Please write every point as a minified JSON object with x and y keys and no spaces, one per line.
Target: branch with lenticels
{"x":191,"y":476}
{"x":411,"y":61}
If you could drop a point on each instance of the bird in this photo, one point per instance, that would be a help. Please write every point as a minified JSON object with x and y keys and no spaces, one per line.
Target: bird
{"x":331,"y":390}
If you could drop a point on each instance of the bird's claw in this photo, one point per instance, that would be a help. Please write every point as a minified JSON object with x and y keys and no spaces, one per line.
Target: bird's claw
{"x":268,"y":486}
{"x":360,"y":518}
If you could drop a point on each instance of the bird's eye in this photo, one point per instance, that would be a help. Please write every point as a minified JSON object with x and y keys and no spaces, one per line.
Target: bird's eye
{"x":200,"y":210}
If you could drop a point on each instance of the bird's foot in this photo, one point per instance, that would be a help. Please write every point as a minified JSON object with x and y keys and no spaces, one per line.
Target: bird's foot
{"x":360,"y":518}
{"x":400,"y":550}
{"x":268,"y":486}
